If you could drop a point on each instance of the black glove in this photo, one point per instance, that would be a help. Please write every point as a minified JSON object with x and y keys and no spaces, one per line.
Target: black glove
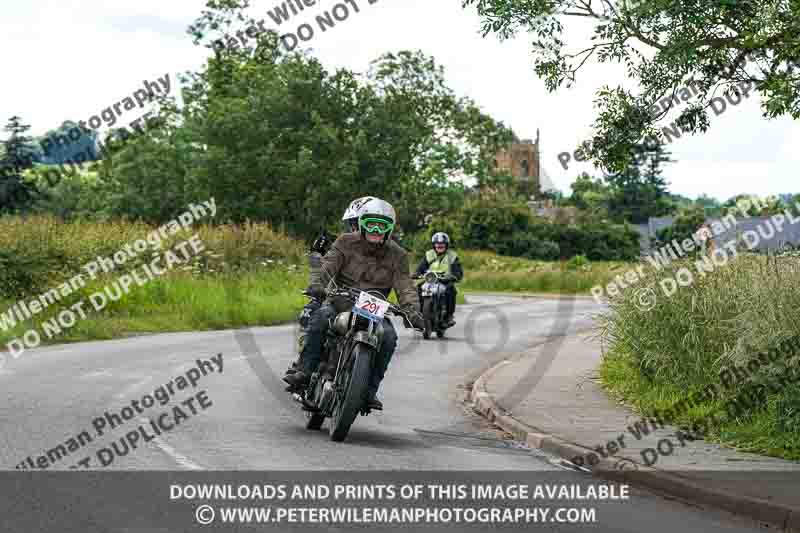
{"x":322,"y":243}
{"x":316,"y":292}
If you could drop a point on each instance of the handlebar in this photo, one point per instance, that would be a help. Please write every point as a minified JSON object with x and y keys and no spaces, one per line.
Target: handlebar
{"x":444,"y":278}
{"x":352,"y":294}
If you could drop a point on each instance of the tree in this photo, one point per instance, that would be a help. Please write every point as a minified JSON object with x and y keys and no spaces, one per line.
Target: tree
{"x":275,"y":136}
{"x":589,"y":193}
{"x":16,"y":192}
{"x":640,"y":191}
{"x":711,"y":206}
{"x":66,"y":142}
{"x":665,"y":45}
{"x":758,"y":207}
{"x":686,"y":224}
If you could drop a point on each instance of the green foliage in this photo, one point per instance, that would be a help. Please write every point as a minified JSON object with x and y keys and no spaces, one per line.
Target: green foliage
{"x":725,"y":318}
{"x":771,"y":205}
{"x":685,"y":225}
{"x":276,"y":136}
{"x":711,"y":206}
{"x":62,"y":145}
{"x":527,"y":244}
{"x":182,"y":302}
{"x":632,"y":195}
{"x":499,"y":224}
{"x":70,"y":192}
{"x":639,"y":191}
{"x":16,"y":192}
{"x":38,"y":253}
{"x":590,"y":194}
{"x":486,"y":271}
{"x":486,"y":227}
{"x":713,"y":43}
{"x":577,"y":262}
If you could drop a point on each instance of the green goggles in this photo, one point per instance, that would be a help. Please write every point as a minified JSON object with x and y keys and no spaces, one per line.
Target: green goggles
{"x":376,"y":225}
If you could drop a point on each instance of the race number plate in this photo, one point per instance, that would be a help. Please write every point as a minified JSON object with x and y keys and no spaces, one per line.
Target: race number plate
{"x":371,"y":306}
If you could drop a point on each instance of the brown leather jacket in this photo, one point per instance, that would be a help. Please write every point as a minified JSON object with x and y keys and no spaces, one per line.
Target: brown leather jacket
{"x":353,"y":262}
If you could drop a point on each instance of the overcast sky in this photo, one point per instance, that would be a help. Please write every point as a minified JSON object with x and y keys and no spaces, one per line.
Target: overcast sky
{"x":69,"y":59}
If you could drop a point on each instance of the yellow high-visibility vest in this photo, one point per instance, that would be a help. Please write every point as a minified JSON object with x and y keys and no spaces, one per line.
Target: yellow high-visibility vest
{"x":440,"y":263}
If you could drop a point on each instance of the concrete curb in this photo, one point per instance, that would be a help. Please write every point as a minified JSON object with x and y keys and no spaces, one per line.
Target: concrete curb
{"x":776,"y":515}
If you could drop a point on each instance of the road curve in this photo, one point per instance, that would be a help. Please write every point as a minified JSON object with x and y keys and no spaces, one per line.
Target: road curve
{"x":241,"y":420}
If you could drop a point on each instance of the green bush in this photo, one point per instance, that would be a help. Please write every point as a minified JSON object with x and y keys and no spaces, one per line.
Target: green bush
{"x":487,"y":225}
{"x":685,"y":225}
{"x":528,"y":245}
{"x":509,"y":228}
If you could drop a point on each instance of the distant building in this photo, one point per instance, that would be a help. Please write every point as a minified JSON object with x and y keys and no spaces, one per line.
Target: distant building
{"x":521,"y":160}
{"x":769,"y":239}
{"x":790,"y":234}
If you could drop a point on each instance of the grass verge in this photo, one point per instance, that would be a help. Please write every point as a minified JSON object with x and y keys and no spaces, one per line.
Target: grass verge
{"x":486,"y":271}
{"x":718,"y":324}
{"x":179,"y":303}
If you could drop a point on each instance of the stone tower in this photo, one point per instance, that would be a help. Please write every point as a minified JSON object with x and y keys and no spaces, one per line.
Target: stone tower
{"x":521,"y":160}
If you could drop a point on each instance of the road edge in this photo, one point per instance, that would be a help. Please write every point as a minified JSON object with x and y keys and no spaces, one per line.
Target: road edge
{"x":523,"y":294}
{"x":774,"y":514}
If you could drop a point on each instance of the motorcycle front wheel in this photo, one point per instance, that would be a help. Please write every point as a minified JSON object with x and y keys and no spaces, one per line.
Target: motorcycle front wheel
{"x":354,"y":382}
{"x":427,"y":314}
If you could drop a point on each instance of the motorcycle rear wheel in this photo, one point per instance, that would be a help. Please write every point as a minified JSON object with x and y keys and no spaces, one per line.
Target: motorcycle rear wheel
{"x":355,"y":382}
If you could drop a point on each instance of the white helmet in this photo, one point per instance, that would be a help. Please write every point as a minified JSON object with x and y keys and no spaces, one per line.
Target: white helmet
{"x":354,"y":209}
{"x":441,"y":238}
{"x":350,"y":217}
{"x":376,"y":211}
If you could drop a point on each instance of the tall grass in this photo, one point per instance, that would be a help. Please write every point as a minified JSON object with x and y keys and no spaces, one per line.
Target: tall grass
{"x":246,"y":276}
{"x":723,"y":319}
{"x":486,"y":271}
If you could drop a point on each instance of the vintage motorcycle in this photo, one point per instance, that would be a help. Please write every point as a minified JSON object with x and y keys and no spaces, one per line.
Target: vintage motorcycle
{"x":338,"y":389}
{"x":433,"y":303}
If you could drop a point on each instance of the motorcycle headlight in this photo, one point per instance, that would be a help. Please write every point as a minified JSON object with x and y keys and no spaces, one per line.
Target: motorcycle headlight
{"x":430,"y":277}
{"x":341,"y":324}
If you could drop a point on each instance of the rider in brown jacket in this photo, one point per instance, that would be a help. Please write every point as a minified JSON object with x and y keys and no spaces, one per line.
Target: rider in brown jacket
{"x":367,"y":260}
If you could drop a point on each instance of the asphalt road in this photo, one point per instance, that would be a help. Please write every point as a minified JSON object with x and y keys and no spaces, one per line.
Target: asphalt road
{"x":244,"y":420}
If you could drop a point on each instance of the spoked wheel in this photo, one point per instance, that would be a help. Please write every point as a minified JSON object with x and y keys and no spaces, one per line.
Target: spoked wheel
{"x":427,"y":314}
{"x":355,"y":378}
